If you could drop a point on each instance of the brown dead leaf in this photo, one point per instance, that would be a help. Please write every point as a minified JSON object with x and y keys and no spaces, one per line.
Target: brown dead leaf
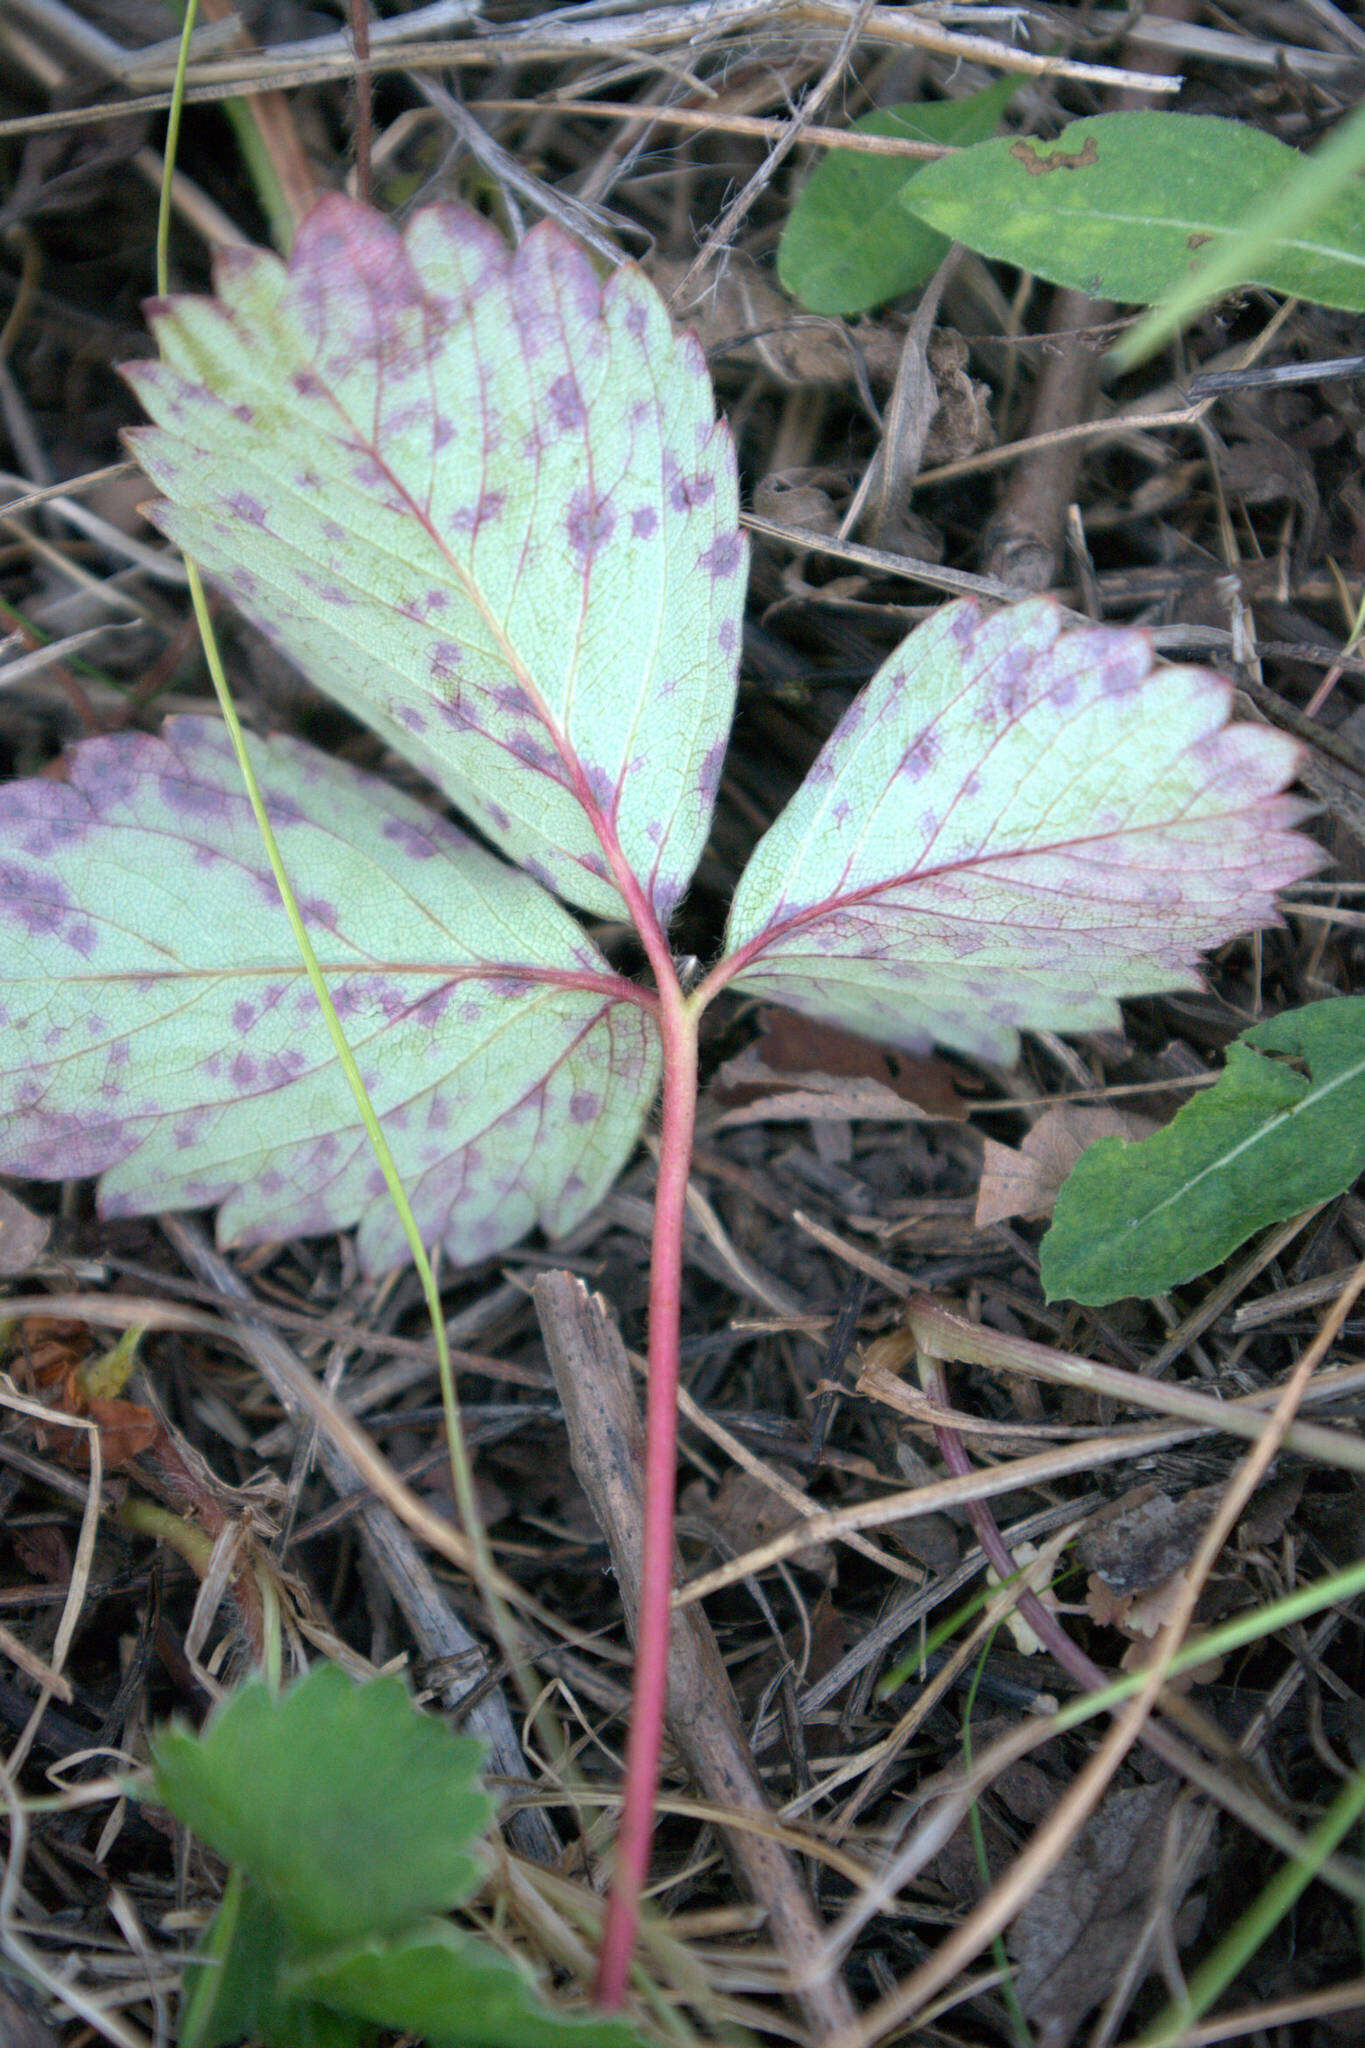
{"x":742,"y":316}
{"x":55,"y":1362}
{"x":790,"y":1047}
{"x":962,"y":426}
{"x":745,"y":1513}
{"x":1077,"y":1931}
{"x":22,"y":1235}
{"x":1024,"y":1181}
{"x":801,"y":497}
{"x":1142,"y":1538}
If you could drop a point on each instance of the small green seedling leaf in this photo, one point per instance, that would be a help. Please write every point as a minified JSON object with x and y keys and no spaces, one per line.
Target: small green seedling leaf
{"x":484,"y":502}
{"x":156,"y":1025}
{"x":847,"y":245}
{"x":1281,"y":1129}
{"x":1013,"y":826}
{"x":1121,"y":206}
{"x":453,"y":1992}
{"x":351,"y":1814}
{"x":350,"y":1820}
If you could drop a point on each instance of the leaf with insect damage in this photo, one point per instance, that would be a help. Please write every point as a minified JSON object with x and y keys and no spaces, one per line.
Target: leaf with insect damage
{"x":1011,"y":827}
{"x":484,"y":502}
{"x":157,"y":1027}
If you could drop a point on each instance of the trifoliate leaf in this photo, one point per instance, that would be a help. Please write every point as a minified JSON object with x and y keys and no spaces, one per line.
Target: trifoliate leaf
{"x":452,"y":1992}
{"x":848,"y":244}
{"x":1121,"y":206}
{"x":1010,"y":828}
{"x":156,"y":1024}
{"x":1281,"y":1129}
{"x":351,"y":1813}
{"x":483,"y":501}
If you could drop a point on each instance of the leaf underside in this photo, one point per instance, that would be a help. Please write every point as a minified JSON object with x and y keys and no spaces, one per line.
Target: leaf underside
{"x":156,"y":1024}
{"x":1012,"y":827}
{"x":1267,"y":1140}
{"x":1121,"y":206}
{"x":484,"y":502}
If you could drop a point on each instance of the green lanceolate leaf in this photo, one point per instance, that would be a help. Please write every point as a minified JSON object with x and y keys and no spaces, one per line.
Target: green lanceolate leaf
{"x":484,"y":502}
{"x":453,"y":1992}
{"x":848,"y":245}
{"x":156,"y":1024}
{"x":350,"y":1813}
{"x":1013,"y":826}
{"x":1281,"y":1129}
{"x":1122,"y":205}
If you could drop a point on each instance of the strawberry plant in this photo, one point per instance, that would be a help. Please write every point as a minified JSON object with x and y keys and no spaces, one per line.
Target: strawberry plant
{"x":484,"y":502}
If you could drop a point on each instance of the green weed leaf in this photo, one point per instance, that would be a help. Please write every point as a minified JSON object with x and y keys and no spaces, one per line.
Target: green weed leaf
{"x":351,"y":1813}
{"x":847,"y":244}
{"x":158,"y":1027}
{"x":453,"y":1991}
{"x":1013,"y":826}
{"x":1281,"y":1129}
{"x":484,"y":502}
{"x":1122,"y":205}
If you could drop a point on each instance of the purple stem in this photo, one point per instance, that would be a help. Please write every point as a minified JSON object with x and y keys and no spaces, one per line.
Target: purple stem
{"x":1040,"y":1619}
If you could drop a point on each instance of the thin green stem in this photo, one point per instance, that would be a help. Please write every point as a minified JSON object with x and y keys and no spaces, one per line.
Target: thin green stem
{"x":163,"y":211}
{"x":462,"y":1477}
{"x":461,"y":1474}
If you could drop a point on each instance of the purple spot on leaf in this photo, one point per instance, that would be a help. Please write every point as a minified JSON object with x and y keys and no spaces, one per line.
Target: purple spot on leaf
{"x":445,"y":655}
{"x":723,"y":556}
{"x":246,"y":508}
{"x":566,"y":402}
{"x":643,"y":521}
{"x":471,"y":518}
{"x":708,"y":780}
{"x":411,"y":718}
{"x":685,"y":493}
{"x":921,"y":757}
{"x":283,"y":1067}
{"x":601,"y":788}
{"x":590,"y":523}
{"x":195,"y":799}
{"x":583,"y":1106}
{"x":411,"y":838}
